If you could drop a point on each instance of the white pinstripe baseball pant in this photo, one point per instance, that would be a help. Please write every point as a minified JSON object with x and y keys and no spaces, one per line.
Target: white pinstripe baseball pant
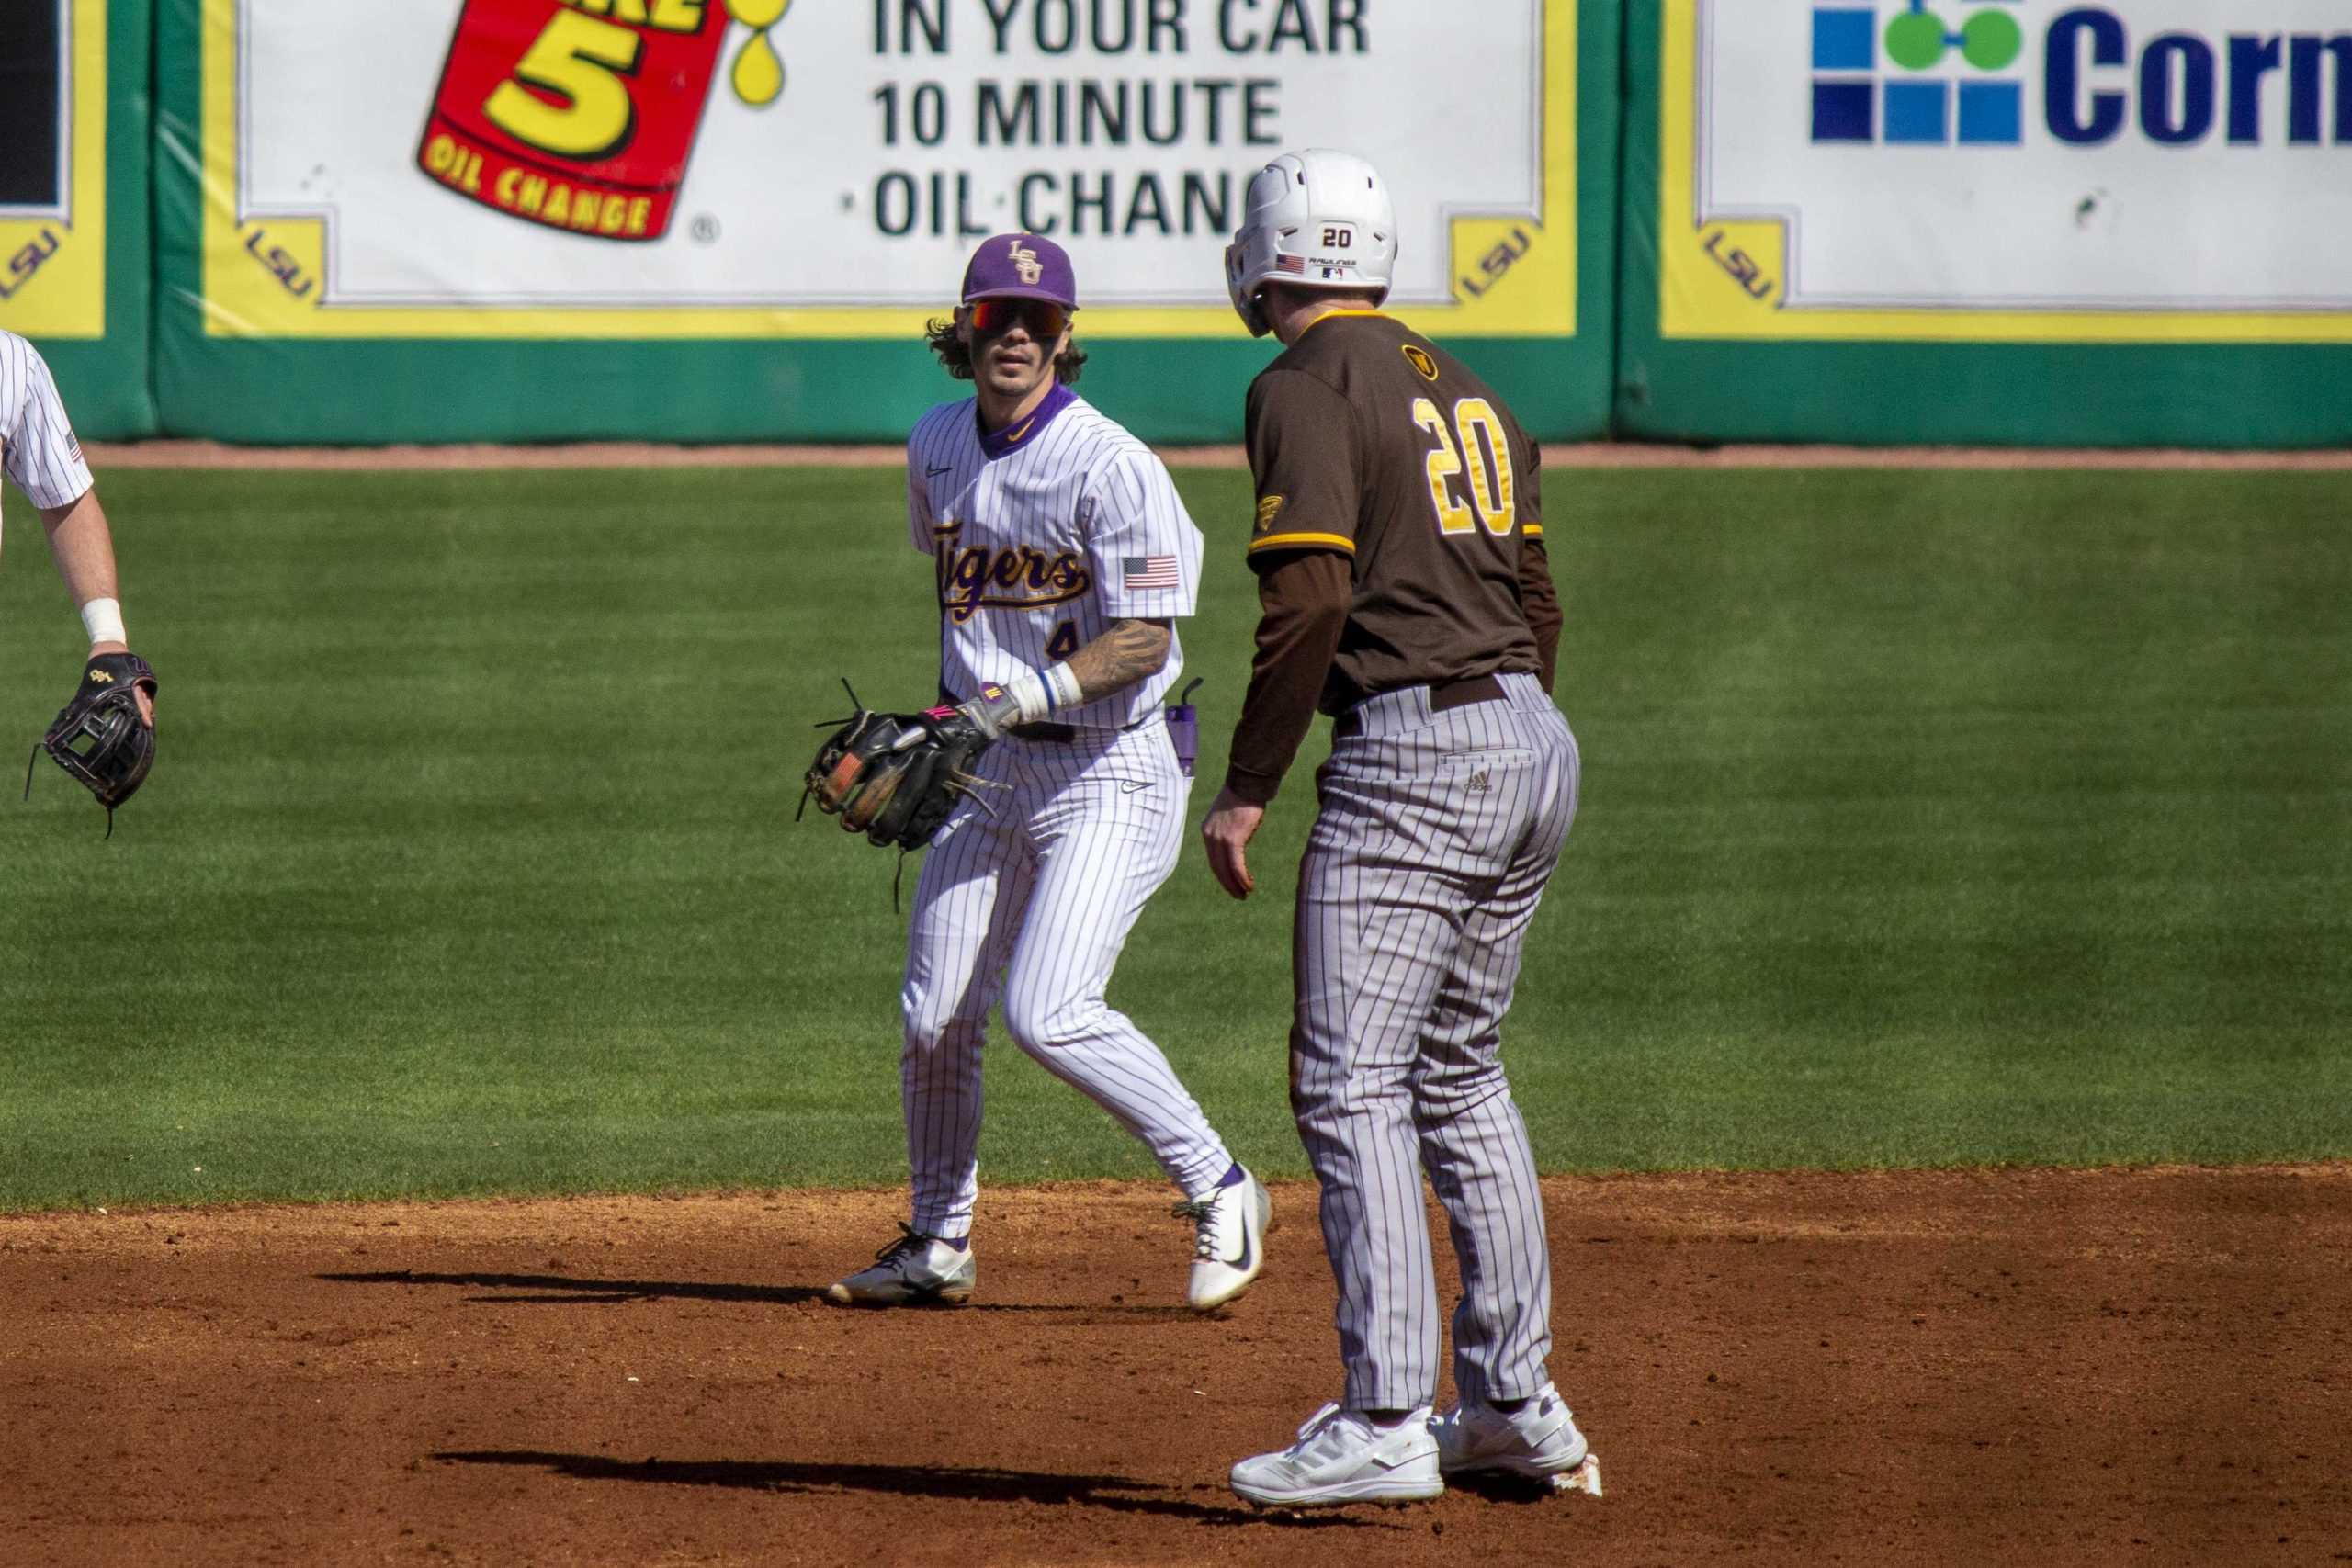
{"x":1436,"y":836}
{"x":1032,"y":898}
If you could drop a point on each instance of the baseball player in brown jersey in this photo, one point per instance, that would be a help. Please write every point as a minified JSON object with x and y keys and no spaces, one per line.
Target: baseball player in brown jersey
{"x":1399,"y":547}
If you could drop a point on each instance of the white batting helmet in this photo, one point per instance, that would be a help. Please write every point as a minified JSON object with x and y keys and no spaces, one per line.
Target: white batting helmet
{"x":1317,"y":218}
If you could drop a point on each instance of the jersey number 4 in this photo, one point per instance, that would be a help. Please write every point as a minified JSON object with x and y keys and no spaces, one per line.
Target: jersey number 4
{"x":1474,"y":449}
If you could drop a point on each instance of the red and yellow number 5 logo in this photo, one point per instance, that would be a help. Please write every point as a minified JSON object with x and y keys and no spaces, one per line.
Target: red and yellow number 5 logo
{"x":589,"y":126}
{"x":582,"y":59}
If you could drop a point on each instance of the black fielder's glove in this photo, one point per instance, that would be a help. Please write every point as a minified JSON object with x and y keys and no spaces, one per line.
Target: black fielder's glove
{"x":98,"y":737}
{"x":896,"y":776}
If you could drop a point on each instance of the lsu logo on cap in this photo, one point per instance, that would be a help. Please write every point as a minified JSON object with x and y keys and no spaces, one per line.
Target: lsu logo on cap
{"x":1026,"y":262}
{"x":1269,"y":508}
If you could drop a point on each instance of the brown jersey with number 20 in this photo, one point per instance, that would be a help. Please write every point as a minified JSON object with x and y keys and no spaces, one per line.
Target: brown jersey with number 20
{"x":1369,"y":440}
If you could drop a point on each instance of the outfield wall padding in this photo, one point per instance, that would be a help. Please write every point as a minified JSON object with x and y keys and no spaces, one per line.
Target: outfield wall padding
{"x":1792,"y":219}
{"x":267,"y":331}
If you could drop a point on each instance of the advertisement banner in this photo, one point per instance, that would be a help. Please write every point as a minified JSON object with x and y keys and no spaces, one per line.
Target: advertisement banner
{"x":757,"y":169}
{"x":2153,"y":171}
{"x":53,"y":168}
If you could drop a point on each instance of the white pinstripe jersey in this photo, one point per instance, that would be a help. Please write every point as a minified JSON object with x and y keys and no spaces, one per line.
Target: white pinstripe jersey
{"x":37,"y":445}
{"x":1038,"y":549}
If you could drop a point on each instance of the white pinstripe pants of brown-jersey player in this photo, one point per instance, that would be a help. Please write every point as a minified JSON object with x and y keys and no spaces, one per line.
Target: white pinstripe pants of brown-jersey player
{"x":1437,"y":833}
{"x":1029,"y":893}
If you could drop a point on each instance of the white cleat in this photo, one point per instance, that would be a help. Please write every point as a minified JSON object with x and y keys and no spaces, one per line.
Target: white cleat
{"x":1539,"y":1440}
{"x":913,"y":1270}
{"x":1228,"y":1242}
{"x":1340,"y":1456}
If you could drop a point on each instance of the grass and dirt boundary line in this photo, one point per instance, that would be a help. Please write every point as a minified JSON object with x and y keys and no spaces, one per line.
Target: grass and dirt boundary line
{"x":1556,"y":454}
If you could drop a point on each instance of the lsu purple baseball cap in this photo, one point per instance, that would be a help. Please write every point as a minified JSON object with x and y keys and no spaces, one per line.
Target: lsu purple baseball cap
{"x":1021,"y":266}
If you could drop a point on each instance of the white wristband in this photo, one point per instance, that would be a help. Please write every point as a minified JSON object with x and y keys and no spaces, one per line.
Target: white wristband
{"x":1040,"y":692}
{"x":102,"y":618}
{"x":1028,"y":689}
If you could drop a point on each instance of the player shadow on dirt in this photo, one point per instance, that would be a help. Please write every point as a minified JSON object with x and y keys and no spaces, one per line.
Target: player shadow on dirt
{"x":590,"y":1291}
{"x":1118,"y":1494}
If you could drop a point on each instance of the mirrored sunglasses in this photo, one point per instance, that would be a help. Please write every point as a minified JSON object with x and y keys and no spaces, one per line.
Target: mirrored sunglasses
{"x":1044,"y":318}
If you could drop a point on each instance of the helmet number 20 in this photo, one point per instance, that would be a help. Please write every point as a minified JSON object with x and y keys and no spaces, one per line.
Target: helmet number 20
{"x":1476,"y":449}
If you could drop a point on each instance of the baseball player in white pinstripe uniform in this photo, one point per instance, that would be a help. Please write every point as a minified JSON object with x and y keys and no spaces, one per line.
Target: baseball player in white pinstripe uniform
{"x":1401,"y":567}
{"x":1064,"y":557}
{"x":38,"y":452}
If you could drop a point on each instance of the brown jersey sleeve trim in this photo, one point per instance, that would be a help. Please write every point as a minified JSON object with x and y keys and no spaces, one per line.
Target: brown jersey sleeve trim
{"x":1303,"y":541}
{"x":1302,"y":441}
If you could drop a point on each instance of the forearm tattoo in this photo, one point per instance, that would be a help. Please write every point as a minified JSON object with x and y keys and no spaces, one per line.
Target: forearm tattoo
{"x":1125,"y":653}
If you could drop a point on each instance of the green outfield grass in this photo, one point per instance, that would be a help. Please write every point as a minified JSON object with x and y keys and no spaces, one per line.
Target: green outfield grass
{"x":1929,"y":818}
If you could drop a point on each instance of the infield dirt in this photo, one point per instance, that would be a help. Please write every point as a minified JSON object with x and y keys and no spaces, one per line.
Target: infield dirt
{"x":2083,"y":1368}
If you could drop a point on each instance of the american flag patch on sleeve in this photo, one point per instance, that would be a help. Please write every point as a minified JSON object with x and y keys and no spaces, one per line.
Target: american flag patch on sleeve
{"x":1148,"y":572}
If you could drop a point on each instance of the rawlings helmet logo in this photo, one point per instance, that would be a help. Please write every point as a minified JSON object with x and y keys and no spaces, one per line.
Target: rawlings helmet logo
{"x":1026,"y":262}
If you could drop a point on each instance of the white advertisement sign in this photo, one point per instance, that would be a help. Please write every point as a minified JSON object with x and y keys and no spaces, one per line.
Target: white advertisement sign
{"x":2007,"y":168}
{"x":751,"y":167}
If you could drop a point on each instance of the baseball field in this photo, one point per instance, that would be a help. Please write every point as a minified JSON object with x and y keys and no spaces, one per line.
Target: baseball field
{"x":447,"y":1092}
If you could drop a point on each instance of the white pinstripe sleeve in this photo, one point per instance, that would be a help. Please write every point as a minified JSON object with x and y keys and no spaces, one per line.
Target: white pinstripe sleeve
{"x":918,"y":496}
{"x":1140,"y":529}
{"x":37,"y":441}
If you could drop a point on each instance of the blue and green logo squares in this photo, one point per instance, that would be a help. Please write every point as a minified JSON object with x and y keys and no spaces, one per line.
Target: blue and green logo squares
{"x":1850,"y":102}
{"x":1844,"y":39}
{"x":1844,"y":111}
{"x":1991,"y":114}
{"x":1917,"y":113}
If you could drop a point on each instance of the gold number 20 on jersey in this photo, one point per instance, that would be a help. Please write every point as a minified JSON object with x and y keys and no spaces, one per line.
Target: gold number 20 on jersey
{"x":1488,"y":465}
